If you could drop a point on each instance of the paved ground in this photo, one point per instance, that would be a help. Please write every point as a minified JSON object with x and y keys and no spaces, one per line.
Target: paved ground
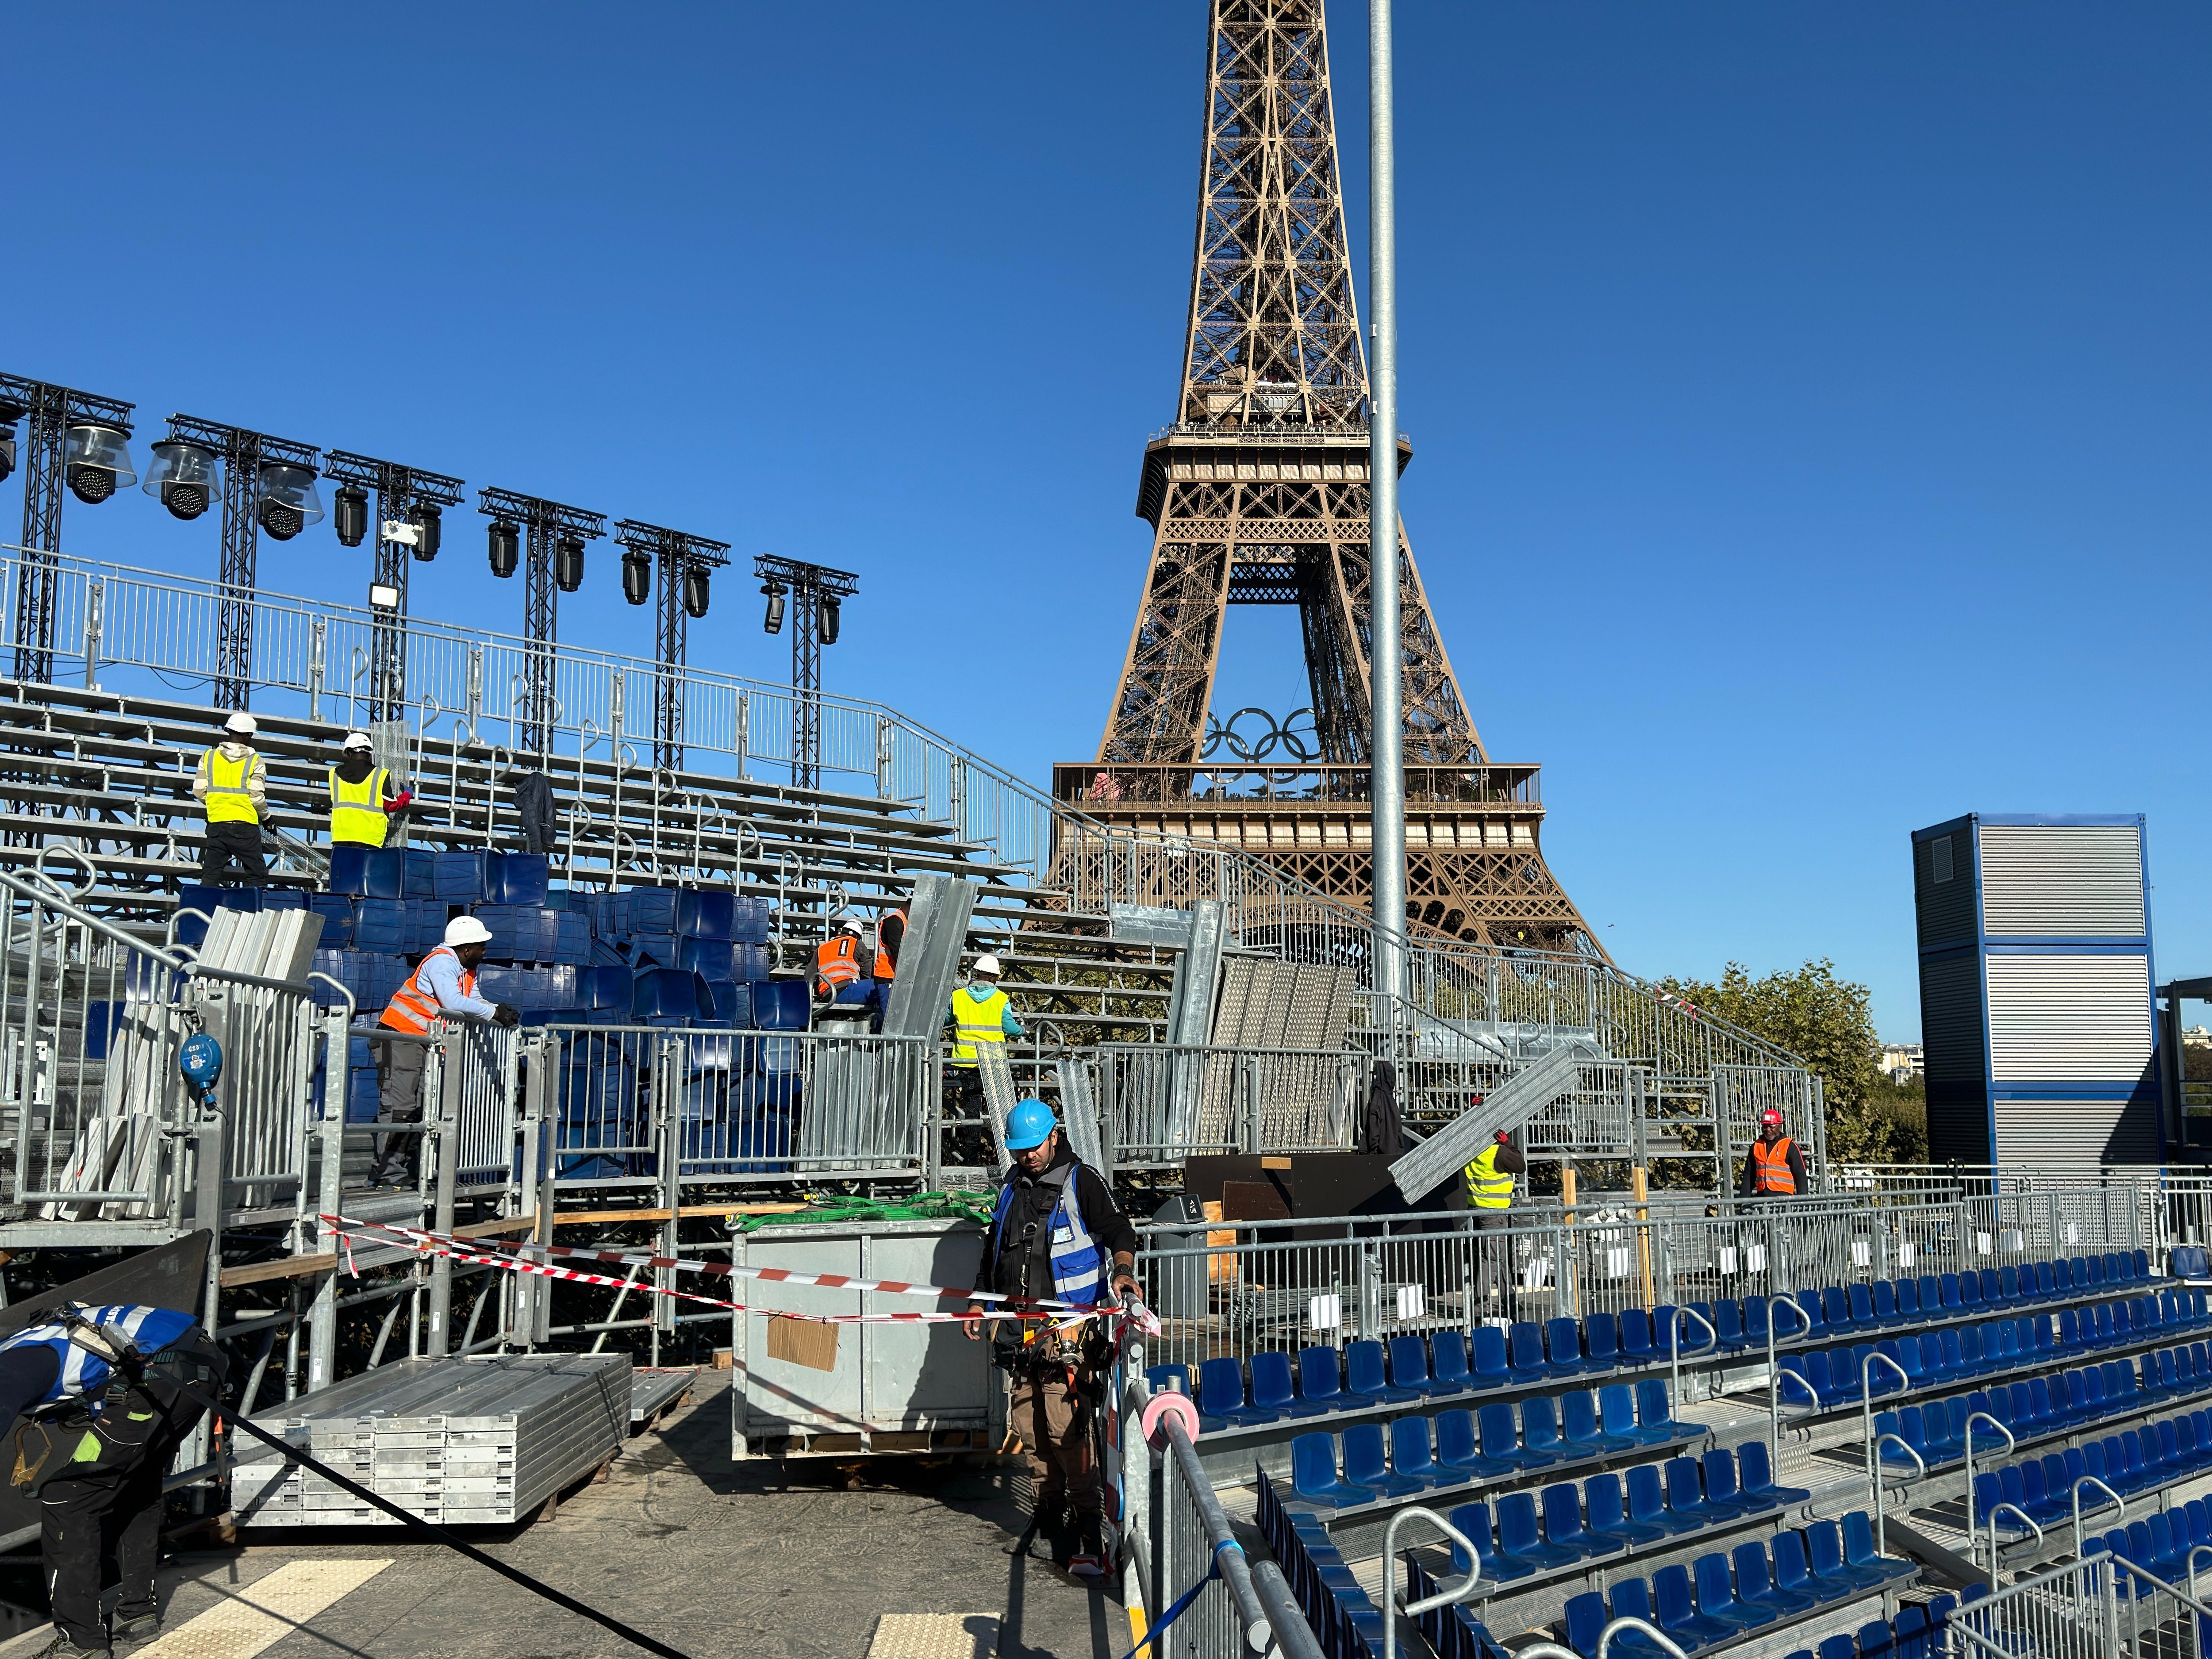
{"x":710,"y":1557}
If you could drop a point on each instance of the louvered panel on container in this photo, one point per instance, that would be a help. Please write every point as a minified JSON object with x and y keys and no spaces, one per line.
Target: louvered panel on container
{"x":1943,"y":884}
{"x":2074,"y":1131}
{"x":2068,"y":1018}
{"x":2062,"y":881}
{"x":1951,"y":1017}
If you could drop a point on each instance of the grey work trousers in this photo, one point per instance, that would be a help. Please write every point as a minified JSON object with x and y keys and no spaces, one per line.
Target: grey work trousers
{"x":399,"y":1100}
{"x":1493,"y":1266}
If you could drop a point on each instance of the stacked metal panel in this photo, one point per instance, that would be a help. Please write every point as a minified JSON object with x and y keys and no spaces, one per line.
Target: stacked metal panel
{"x":478,"y":1442}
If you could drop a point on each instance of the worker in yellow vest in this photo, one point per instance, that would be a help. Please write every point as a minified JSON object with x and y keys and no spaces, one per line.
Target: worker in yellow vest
{"x":1489,"y":1180}
{"x":1775,"y":1168}
{"x":232,"y":784}
{"x":363,"y":803}
{"x":980,"y":1014}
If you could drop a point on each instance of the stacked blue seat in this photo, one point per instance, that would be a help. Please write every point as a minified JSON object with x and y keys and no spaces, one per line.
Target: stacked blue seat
{"x":1718,"y":1598}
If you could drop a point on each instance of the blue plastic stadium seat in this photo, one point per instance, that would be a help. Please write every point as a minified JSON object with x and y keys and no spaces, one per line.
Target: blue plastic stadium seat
{"x":1412,"y":1459}
{"x":1755,"y":1586}
{"x":1654,"y":1414}
{"x":1457,"y":1449}
{"x":1685,"y":1493}
{"x":1647,"y":1501}
{"x":1366,"y":1465}
{"x":1604,"y":1499}
{"x":1716,"y":1598}
{"x":1487,"y":1360}
{"x":1563,"y":1343}
{"x":1363,"y":1379}
{"x":1859,"y":1550}
{"x":1563,"y":1523}
{"x":1636,"y":1348}
{"x":1274,"y":1389}
{"x":1678,"y":1610}
{"x":1579,"y":1427}
{"x":1501,"y":1440}
{"x":1793,"y":1572}
{"x":1221,"y":1395}
{"x":1313,"y":1473}
{"x":1540,"y":1428}
{"x":1602,"y":1336}
{"x":1586,"y":1619}
{"x":1525,"y":1358}
{"x":1755,"y":1474}
{"x":1473,"y":1520}
{"x":1518,"y":1534}
{"x":1824,"y":1539}
{"x":1451,"y":1373}
{"x":1409,"y":1365}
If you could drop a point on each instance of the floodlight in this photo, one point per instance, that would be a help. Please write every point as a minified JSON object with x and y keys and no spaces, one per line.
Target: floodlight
{"x":427,"y":531}
{"x":694,"y":591}
{"x":289,"y":501}
{"x":506,"y":548}
{"x":95,"y":460}
{"x":348,"y":513}
{"x":7,"y":451}
{"x":182,"y":477}
{"x":383,"y":596}
{"x":828,"y":619}
{"x":569,"y":564}
{"x":773,"y":622}
{"x":637,"y":577}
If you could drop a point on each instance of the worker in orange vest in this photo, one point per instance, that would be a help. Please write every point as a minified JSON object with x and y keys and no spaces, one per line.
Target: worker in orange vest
{"x":1776,"y":1168}
{"x":890,"y":933}
{"x":837,"y":962}
{"x":443,"y":984}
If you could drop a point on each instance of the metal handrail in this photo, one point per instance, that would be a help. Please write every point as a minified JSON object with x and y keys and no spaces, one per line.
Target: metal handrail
{"x":1675,"y":1346}
{"x":1648,"y":1630}
{"x":2011,"y":1445}
{"x":1866,"y":1416}
{"x":2092,"y":1480}
{"x":2000,"y":1509}
{"x":1447,"y":1595}
{"x":1880,"y":1519}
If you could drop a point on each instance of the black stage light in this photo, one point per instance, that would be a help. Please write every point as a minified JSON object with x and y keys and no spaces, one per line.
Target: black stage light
{"x":506,"y":544}
{"x":348,"y":513}
{"x":694,"y":591}
{"x":183,"y":477}
{"x":828,"y":619}
{"x":289,"y":502}
{"x":7,"y":451}
{"x":95,"y":460}
{"x":428,"y":530}
{"x":569,"y":564}
{"x":637,"y":577}
{"x":774,"y":622}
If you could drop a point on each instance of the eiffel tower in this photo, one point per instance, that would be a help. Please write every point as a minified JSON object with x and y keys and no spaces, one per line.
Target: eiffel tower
{"x":1258,"y":495}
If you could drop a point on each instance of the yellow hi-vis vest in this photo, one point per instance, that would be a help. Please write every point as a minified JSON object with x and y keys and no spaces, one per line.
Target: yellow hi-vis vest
{"x":975,"y":1022}
{"x":228,"y":799}
{"x":1488,"y":1187}
{"x":357,"y":809}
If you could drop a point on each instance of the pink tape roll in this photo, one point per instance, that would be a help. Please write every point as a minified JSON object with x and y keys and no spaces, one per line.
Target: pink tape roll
{"x":1159,"y":1408}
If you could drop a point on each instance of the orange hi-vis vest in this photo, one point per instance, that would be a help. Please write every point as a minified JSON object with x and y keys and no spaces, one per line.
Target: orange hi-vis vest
{"x":415,"y":1004}
{"x":1769,"y":1167}
{"x":885,"y":968}
{"x":837,"y":964}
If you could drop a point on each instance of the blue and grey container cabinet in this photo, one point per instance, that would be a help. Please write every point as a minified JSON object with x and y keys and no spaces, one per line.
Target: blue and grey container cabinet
{"x":2036,"y":1012}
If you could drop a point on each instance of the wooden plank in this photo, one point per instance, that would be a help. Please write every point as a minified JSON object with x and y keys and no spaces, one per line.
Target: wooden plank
{"x":579,"y":1217}
{"x":292,"y":1266}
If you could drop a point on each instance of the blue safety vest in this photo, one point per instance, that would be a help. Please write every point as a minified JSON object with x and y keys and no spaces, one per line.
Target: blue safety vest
{"x":83,"y":1371}
{"x":1078,"y":1265}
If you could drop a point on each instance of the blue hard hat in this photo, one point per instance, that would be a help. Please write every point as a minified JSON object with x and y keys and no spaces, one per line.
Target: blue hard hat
{"x":1032,"y":1120}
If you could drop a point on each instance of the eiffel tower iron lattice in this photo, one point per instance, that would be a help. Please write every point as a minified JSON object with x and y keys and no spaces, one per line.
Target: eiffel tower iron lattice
{"x":1258,"y":495}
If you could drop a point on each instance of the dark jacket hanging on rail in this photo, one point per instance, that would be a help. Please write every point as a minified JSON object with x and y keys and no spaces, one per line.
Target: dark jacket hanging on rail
{"x":533,"y":804}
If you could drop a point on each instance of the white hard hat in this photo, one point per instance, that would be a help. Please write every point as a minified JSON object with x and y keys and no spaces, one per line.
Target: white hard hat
{"x":467,"y":930}
{"x":852,"y":926}
{"x":358,"y":740}
{"x":987,"y":964}
{"x":242,"y":724}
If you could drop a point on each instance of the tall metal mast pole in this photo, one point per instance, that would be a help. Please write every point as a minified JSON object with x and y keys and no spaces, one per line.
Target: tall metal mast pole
{"x":1387,"y":746}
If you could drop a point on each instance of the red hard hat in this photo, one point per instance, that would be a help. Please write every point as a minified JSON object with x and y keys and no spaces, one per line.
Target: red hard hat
{"x":1770,"y":1120}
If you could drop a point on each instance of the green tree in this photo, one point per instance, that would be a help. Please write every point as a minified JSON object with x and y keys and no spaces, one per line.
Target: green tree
{"x":1826,"y":1021}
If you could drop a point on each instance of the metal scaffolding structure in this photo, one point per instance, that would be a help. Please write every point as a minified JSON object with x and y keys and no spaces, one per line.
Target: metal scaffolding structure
{"x":815,"y":591}
{"x":685,"y":564}
{"x":402,"y":495}
{"x":243,"y":453}
{"x":51,"y":411}
{"x":554,"y":537}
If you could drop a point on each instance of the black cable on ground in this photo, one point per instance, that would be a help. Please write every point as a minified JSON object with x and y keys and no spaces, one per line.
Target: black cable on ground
{"x":434,"y":1531}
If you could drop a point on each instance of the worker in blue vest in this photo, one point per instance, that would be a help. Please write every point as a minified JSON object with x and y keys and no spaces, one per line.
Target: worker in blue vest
{"x":1056,"y":1233}
{"x":106,"y":1414}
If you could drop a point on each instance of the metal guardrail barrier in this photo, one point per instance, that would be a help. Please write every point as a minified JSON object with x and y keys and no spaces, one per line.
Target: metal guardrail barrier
{"x":2104,"y":1606}
{"x":1238,"y":1288}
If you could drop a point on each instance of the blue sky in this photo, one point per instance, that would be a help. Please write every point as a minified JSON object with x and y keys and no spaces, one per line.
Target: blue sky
{"x":1810,"y":403}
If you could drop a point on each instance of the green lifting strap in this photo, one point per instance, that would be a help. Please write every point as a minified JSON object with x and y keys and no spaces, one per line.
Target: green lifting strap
{"x":924,"y":1207}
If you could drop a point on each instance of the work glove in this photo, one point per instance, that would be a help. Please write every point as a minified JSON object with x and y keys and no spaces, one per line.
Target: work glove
{"x":505,"y":1014}
{"x":398,"y":803}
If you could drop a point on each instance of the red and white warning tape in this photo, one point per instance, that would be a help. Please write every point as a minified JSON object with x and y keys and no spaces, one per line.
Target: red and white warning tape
{"x":524,"y":1258}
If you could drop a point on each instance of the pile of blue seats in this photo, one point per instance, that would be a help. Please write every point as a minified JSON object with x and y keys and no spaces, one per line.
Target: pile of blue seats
{"x":2160,"y":1543}
{"x":2140,"y":1461}
{"x":1825,"y":1379}
{"x":1485,"y":1444}
{"x":2062,"y":1403}
{"x":1716,"y":1599}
